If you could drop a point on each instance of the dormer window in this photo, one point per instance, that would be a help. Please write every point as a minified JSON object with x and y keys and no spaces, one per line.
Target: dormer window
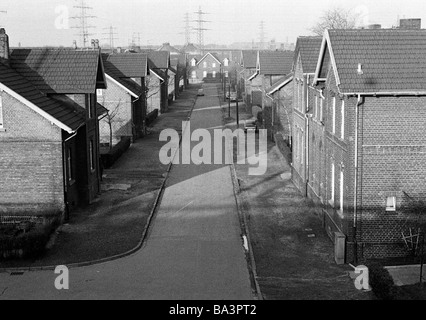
{"x":193,"y":62}
{"x":205,"y":64}
{"x":226,"y":62}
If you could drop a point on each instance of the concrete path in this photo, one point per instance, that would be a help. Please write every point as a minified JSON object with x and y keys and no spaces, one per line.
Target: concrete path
{"x":193,"y":251}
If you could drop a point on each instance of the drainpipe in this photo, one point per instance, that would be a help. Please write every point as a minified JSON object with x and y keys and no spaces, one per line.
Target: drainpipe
{"x":307,"y":136}
{"x":354,"y":227}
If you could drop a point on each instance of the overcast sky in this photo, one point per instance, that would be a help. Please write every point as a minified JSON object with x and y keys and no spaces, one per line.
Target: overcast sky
{"x":39,"y":22}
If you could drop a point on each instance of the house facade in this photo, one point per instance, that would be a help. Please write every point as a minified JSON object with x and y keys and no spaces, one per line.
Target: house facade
{"x":49,"y":129}
{"x":205,"y":69}
{"x":281,"y":96}
{"x":305,"y":103}
{"x":365,"y":162}
{"x":159,"y":64}
{"x":248,"y":63}
{"x":271,"y":67}
{"x":124,"y":99}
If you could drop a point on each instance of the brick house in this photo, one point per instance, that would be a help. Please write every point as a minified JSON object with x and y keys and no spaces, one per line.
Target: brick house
{"x":124,"y":98}
{"x":248,"y":63}
{"x":304,"y":66}
{"x":205,"y":69}
{"x":281,"y":95}
{"x":369,"y":158}
{"x":49,"y":154}
{"x":271,"y":67}
{"x":159,"y":64}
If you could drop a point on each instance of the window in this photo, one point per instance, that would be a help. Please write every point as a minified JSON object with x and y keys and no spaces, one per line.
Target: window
{"x":193,"y":62}
{"x":333,"y":116}
{"x":205,"y":74}
{"x":321,"y":110}
{"x":99,"y":92}
{"x":194,"y":74}
{"x":214,"y":74}
{"x":214,"y":65}
{"x":226,"y":74}
{"x":341,"y":192}
{"x":92,"y":156}
{"x":332,"y":185}
{"x":226,"y":62}
{"x":391,"y":204}
{"x":342,"y":135}
{"x":70,"y":171}
{"x":205,"y":64}
{"x":1,"y":112}
{"x":316,"y":108}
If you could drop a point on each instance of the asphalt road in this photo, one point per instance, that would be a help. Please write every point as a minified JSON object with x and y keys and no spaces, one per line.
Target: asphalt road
{"x":193,"y":250}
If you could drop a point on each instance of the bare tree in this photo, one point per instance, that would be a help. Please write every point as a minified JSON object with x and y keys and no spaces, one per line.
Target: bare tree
{"x":149,"y":84}
{"x":110,"y":118}
{"x":336,"y":18}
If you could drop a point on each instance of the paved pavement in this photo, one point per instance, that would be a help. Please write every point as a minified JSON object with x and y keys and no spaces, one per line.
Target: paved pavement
{"x":193,"y":250}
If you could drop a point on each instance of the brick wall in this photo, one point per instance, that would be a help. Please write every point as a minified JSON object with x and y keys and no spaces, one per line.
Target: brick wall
{"x":283,"y":118}
{"x":31,"y":180}
{"x":391,"y":161}
{"x":118,"y":102}
{"x":154,"y":94}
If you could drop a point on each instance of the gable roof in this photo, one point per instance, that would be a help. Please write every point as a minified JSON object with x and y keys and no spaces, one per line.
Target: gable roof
{"x":160,"y":59}
{"x":308,"y":48}
{"x":116,"y":75}
{"x":66,"y":116}
{"x":280,"y":83}
{"x":190,"y":47}
{"x":275,"y":62}
{"x":60,"y":70}
{"x":130,"y":65}
{"x":214,"y":56}
{"x":167,"y":47}
{"x":249,"y":59}
{"x":393,"y":60}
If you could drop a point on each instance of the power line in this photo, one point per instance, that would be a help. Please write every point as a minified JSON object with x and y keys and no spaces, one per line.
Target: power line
{"x":111,"y":36}
{"x":200,"y":29}
{"x":84,"y":26}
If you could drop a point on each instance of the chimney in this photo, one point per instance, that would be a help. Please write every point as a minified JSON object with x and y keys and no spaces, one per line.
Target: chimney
{"x":4,"y":44}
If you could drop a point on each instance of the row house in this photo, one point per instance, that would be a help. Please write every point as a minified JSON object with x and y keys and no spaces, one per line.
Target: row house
{"x":365,"y":154}
{"x":207,"y":68}
{"x":248,"y":64}
{"x":304,"y":66}
{"x":159,"y":64}
{"x":271,"y":67}
{"x":49,"y":147}
{"x":178,"y":67}
{"x":281,"y":95}
{"x":125,"y":97}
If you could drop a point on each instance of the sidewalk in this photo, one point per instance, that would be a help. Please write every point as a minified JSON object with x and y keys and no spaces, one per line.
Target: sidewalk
{"x":293,"y":255}
{"x":115,"y":223}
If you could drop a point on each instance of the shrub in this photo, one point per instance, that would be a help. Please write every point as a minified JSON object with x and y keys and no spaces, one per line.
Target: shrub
{"x":381,"y":282}
{"x":31,"y":243}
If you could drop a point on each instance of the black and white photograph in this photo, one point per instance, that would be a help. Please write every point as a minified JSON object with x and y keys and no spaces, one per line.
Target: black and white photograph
{"x":212,"y":156}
